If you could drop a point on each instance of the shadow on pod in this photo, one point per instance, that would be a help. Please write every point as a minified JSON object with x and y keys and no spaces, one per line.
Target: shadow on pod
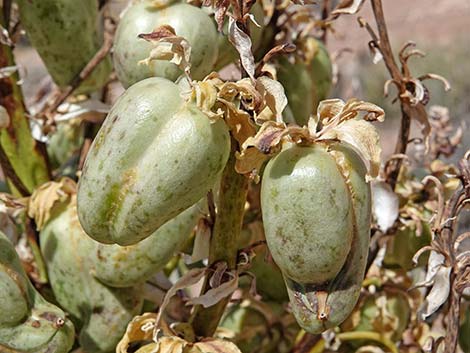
{"x":316,"y":212}
{"x":65,"y":33}
{"x":100,"y":313}
{"x":28,"y":323}
{"x":123,"y":266}
{"x":188,"y":21}
{"x":155,"y":156}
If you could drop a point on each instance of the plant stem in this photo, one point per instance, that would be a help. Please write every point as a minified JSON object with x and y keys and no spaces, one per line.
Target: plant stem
{"x":390,"y":63}
{"x":224,"y":241}
{"x":24,"y":161}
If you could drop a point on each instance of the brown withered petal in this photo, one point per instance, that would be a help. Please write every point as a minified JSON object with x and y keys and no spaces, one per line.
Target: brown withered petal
{"x":242,"y":42}
{"x":348,"y":7}
{"x":45,"y":197}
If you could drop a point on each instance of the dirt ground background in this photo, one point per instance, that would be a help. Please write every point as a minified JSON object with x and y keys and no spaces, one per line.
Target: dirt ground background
{"x":439,"y":27}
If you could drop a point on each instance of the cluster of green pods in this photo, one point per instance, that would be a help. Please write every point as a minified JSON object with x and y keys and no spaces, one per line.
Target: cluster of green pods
{"x":66,"y":34}
{"x":28,"y":323}
{"x":100,"y":286}
{"x":306,"y":84}
{"x":316,"y":212}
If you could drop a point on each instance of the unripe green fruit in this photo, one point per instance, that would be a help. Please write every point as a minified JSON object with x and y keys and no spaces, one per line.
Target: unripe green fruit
{"x":124,"y":266}
{"x":316,"y":212}
{"x":101,"y":313}
{"x":188,"y":21}
{"x":65,"y":34}
{"x":66,"y":141}
{"x":307,"y":214}
{"x":155,"y":156}
{"x":321,"y":72}
{"x":28,"y":323}
{"x":298,"y":86}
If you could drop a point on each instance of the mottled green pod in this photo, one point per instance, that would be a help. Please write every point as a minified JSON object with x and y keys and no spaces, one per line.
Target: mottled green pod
{"x":66,"y":141}
{"x":188,"y":21}
{"x":28,"y":323}
{"x":154,"y":157}
{"x":316,"y":211}
{"x":65,"y":33}
{"x":100,"y":313}
{"x":307,"y":214}
{"x":124,"y":266}
{"x":321,"y":72}
{"x":298,"y":87}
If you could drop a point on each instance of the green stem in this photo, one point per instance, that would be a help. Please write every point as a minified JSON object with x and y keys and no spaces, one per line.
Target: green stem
{"x":27,"y":164}
{"x":358,"y":335}
{"x":224,"y":240}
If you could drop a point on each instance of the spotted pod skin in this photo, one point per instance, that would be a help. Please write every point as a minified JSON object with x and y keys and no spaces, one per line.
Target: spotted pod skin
{"x":298,"y":87}
{"x":65,"y":33}
{"x":123,"y":266}
{"x":100,"y":313}
{"x":28,"y":323}
{"x":154,"y":157}
{"x":188,"y":21}
{"x":316,"y":210}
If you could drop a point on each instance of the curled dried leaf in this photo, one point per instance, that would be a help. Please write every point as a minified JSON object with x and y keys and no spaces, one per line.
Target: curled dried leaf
{"x":242,"y":42}
{"x":168,"y":46}
{"x":45,"y":197}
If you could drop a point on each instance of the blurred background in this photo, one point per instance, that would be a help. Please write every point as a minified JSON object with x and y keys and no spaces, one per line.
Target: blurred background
{"x":439,"y":28}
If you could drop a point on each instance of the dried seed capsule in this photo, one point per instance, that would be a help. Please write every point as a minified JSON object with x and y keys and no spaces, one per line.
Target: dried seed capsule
{"x":100,"y":313}
{"x":28,"y":323}
{"x":66,"y":36}
{"x":188,"y":21}
{"x":154,"y":157}
{"x":316,"y":208}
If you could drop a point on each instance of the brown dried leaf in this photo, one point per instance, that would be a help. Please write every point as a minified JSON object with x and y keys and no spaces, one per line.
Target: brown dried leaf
{"x":242,"y":42}
{"x":201,"y":241}
{"x":239,"y":122}
{"x":349,"y":7}
{"x":215,"y":345}
{"x":274,"y":98}
{"x":45,"y":198}
{"x":364,"y":137}
{"x":214,"y":295}
{"x":168,"y":46}
{"x":190,"y":278}
{"x":139,"y":329}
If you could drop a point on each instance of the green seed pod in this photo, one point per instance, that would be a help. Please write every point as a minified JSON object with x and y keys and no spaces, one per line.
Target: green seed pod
{"x":100,"y":313}
{"x":154,"y":157}
{"x":321,"y":72}
{"x":298,"y":87}
{"x":28,"y":323}
{"x":123,"y":266}
{"x":65,"y":34}
{"x":316,"y":212}
{"x":188,"y":21}
{"x":66,"y":141}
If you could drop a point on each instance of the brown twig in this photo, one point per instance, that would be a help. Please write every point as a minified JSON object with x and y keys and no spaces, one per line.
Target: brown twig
{"x":87,"y":70}
{"x":382,"y":43}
